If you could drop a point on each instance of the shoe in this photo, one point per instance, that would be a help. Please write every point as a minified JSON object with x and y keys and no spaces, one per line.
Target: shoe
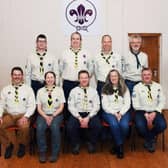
{"x":113,"y":150}
{"x":150,"y":145}
{"x":21,"y":151}
{"x":75,"y":149}
{"x":42,"y":157}
{"x":53,"y":158}
{"x":91,"y":148}
{"x":8,"y":151}
{"x":120,"y":152}
{"x":146,"y":144}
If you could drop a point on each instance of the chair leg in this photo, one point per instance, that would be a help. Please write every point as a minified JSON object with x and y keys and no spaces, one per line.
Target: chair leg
{"x":32,"y":143}
{"x":163,"y":141}
{"x":133,"y":138}
{"x":0,"y":148}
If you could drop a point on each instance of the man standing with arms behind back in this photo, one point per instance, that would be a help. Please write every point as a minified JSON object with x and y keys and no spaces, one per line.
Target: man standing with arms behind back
{"x":134,"y":62}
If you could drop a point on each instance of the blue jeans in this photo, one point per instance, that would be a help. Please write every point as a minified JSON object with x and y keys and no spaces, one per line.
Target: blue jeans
{"x":141,"y":124}
{"x":119,"y":129}
{"x":55,"y":134}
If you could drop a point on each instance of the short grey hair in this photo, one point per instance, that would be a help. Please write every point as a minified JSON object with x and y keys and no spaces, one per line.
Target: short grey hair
{"x":135,"y":36}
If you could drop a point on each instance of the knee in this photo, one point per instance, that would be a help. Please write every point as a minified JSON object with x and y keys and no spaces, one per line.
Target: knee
{"x":124,"y":126}
{"x":162,"y":126}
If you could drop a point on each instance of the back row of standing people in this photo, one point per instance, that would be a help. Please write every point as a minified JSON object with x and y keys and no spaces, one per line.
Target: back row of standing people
{"x":76,"y":58}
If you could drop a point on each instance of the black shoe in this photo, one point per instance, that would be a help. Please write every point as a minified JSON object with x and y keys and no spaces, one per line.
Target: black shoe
{"x":8,"y":152}
{"x":75,"y":149}
{"x":42,"y":157}
{"x":91,"y":148}
{"x":21,"y":151}
{"x":150,"y":145}
{"x":120,"y":152}
{"x":53,"y":158}
{"x":113,"y":150}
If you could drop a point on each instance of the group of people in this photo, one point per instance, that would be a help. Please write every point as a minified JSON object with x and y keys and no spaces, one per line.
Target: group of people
{"x":123,"y":87}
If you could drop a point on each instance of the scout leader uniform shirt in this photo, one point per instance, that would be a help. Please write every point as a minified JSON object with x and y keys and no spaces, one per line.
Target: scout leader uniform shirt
{"x":104,"y":63}
{"x":37,"y":65}
{"x":114,"y":103}
{"x":71,"y":63}
{"x":133,"y":68}
{"x":17,"y":100}
{"x":81,"y":100}
{"x":50,"y":103}
{"x":148,"y":99}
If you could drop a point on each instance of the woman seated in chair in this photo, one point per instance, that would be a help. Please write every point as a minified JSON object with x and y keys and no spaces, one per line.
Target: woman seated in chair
{"x":116,"y":104}
{"x":50,"y":104}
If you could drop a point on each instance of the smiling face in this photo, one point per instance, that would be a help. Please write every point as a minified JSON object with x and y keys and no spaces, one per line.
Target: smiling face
{"x":114,"y":78}
{"x":76,"y":41}
{"x":17,"y":77}
{"x":50,"y":79}
{"x":106,"y":44}
{"x":147,"y":76}
{"x":84,"y":79}
{"x":41,"y":44}
{"x":135,"y":44}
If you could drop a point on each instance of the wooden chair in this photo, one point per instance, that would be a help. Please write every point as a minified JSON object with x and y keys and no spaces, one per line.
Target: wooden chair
{"x":11,"y":128}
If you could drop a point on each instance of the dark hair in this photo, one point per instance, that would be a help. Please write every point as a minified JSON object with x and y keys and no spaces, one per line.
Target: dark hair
{"x":51,"y":72}
{"x":108,"y":86}
{"x":17,"y":68}
{"x":146,"y":69}
{"x":83,"y":71}
{"x":77,"y":34}
{"x":41,"y":36}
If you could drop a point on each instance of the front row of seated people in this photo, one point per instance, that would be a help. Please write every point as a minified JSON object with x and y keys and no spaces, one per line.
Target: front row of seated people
{"x":17,"y":104}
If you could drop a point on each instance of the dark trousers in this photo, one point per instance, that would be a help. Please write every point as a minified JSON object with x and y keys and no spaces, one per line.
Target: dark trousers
{"x":67,"y":87}
{"x":74,"y":130}
{"x":130,"y":84}
{"x":36,"y":85}
{"x":99,"y":90}
{"x":100,"y":85}
{"x":119,"y":129}
{"x":141,"y":124}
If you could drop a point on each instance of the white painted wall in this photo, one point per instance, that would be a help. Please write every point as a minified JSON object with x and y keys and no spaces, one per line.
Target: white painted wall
{"x":21,"y":21}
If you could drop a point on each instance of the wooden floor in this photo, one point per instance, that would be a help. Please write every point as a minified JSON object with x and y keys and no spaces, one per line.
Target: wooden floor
{"x":102,"y":159}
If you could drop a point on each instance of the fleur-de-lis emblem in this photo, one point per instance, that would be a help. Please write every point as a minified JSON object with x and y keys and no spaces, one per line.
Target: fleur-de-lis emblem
{"x":81,"y":14}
